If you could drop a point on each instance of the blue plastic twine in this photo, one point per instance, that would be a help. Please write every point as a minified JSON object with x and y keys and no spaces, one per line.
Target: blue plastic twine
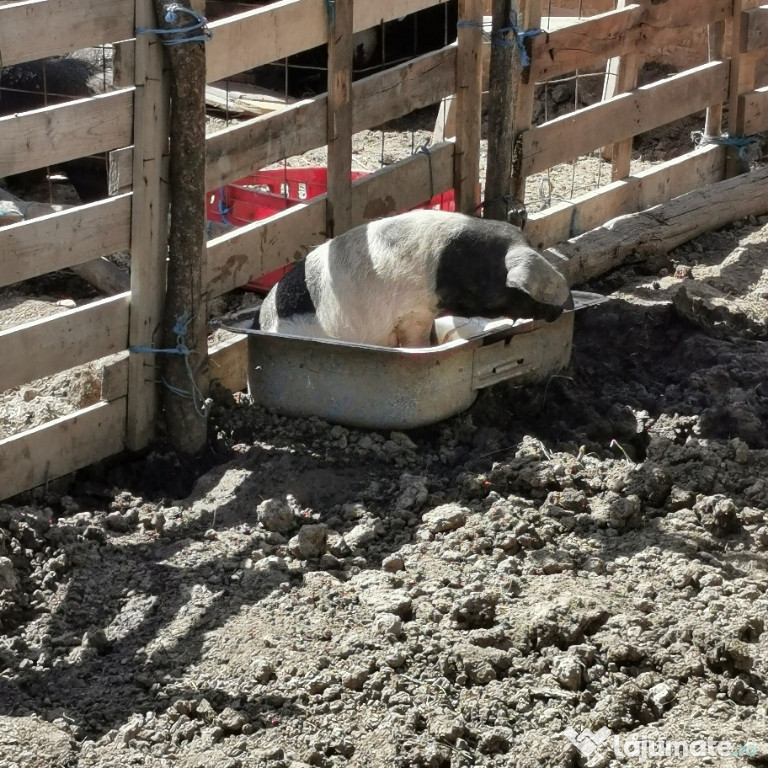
{"x":200,"y":22}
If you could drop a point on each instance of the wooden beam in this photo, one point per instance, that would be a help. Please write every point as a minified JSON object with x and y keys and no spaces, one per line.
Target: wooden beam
{"x":339,"y":119}
{"x":62,"y":341}
{"x":60,"y":240}
{"x":469,"y":70}
{"x":567,"y":137}
{"x":734,"y":163}
{"x":250,"y":39}
{"x":635,"y":29}
{"x":51,"y":135}
{"x":61,"y":446}
{"x":149,"y":228}
{"x":713,"y":123}
{"x":238,"y":257}
{"x":635,"y":193}
{"x":36,"y":30}
{"x":661,"y":228}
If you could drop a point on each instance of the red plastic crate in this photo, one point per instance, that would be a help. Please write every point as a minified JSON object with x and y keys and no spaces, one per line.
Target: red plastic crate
{"x":265,"y":193}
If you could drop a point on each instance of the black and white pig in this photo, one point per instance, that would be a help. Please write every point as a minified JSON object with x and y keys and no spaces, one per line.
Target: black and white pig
{"x":385,"y":282}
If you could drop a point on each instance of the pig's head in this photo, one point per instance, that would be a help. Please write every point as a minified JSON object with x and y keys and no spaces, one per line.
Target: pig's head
{"x":535,"y":288}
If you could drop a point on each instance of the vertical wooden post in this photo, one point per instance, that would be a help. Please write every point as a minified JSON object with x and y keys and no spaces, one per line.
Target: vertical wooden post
{"x":626,"y":69}
{"x":510,"y":109}
{"x":149,"y":225}
{"x":734,"y":165}
{"x":340,"y":52}
{"x":185,"y":317}
{"x":713,"y":123}
{"x":469,"y":71}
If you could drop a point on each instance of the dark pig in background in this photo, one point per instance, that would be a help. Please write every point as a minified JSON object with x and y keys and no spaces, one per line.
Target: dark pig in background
{"x":57,"y":80}
{"x":385,"y":282}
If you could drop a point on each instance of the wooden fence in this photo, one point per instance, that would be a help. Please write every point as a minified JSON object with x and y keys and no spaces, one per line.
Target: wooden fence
{"x":131,"y":123}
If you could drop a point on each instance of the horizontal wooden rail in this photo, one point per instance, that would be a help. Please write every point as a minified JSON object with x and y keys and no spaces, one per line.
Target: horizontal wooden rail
{"x":635,"y":193}
{"x":626,"y":115}
{"x":37,"y":29}
{"x":64,"y":239}
{"x":238,"y":257}
{"x":252,"y":144}
{"x":61,"y":446}
{"x":60,"y":342}
{"x":264,"y":35}
{"x":635,"y":29}
{"x":51,"y":135}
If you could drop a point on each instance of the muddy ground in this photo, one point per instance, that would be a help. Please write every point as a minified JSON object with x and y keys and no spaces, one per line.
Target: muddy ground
{"x":587,"y":553}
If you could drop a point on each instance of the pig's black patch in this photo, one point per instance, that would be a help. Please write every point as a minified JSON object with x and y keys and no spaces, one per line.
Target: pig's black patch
{"x":471,"y":277}
{"x":292,"y":296}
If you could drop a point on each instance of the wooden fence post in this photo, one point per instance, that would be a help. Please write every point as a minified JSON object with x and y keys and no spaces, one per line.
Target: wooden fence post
{"x":185,"y":318}
{"x":510,"y":108}
{"x":468,"y":106}
{"x":340,"y":51}
{"x":734,"y":164}
{"x":149,"y":228}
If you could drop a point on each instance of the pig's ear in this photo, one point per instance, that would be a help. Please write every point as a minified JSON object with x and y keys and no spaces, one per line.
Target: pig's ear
{"x":530,"y":272}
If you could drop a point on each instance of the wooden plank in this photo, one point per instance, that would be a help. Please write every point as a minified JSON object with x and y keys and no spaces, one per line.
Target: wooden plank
{"x":51,"y":135}
{"x":755,"y":30}
{"x":634,"y":29}
{"x":263,"y":35}
{"x":61,"y":240}
{"x":469,"y":70}
{"x":627,"y":115}
{"x":237,"y":151}
{"x":246,"y":253}
{"x":339,"y":119}
{"x":229,"y":363}
{"x":149,"y":228}
{"x":61,"y":446}
{"x":245,"y":99}
{"x":661,"y":228}
{"x":635,"y":193}
{"x":713,"y":122}
{"x":35,"y":30}
{"x":60,"y":342}
{"x":754,"y":105}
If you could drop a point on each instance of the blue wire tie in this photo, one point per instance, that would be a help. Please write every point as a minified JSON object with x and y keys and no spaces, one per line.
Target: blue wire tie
{"x":200,"y":22}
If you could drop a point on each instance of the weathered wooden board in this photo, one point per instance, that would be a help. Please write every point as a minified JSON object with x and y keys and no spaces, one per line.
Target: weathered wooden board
{"x":35,"y":30}
{"x":229,"y":363}
{"x":60,"y":240}
{"x":755,"y":31}
{"x":635,"y":29}
{"x":626,"y":115}
{"x":754,"y":106}
{"x":61,"y":446}
{"x":60,"y":342}
{"x":240,"y":256}
{"x":51,"y":135}
{"x":663,"y":227}
{"x":257,"y":37}
{"x":635,"y":193}
{"x":149,"y":228}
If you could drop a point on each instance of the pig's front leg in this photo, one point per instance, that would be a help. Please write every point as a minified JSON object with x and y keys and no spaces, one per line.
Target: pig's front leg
{"x":415,"y":329}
